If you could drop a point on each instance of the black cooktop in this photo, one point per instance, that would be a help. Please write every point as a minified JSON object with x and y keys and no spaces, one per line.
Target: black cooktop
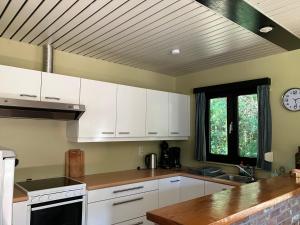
{"x":37,"y":185}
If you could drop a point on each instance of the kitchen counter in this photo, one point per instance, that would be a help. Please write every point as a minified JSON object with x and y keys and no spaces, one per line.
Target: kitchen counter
{"x":230,"y":206}
{"x":19,"y":195}
{"x":104,"y":180}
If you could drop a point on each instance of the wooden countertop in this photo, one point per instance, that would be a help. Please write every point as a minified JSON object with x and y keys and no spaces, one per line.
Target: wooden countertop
{"x":228,"y":206}
{"x":19,"y":195}
{"x":104,"y":180}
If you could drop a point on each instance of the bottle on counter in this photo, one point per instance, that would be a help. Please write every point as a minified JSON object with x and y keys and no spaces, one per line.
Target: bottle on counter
{"x":297,"y":158}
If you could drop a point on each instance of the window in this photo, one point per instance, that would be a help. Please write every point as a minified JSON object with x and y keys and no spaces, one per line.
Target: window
{"x":232,"y":126}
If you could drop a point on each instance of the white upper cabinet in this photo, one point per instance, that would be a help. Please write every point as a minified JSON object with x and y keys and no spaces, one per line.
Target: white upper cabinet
{"x":131,"y":111}
{"x":60,"y":88}
{"x":157,"y":123}
{"x":99,"y":119}
{"x":20,"y":83}
{"x":179,"y":115}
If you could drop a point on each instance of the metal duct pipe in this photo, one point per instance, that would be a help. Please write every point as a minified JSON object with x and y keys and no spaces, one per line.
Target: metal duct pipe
{"x":48,"y":58}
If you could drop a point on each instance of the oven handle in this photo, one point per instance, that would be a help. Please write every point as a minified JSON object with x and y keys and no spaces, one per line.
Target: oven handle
{"x":56,"y":204}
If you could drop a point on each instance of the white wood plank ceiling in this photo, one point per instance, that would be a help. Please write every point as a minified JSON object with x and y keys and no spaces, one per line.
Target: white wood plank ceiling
{"x":284,"y":12}
{"x":141,"y":33}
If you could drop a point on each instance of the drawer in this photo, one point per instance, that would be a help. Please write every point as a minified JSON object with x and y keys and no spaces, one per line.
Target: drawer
{"x":121,"y":209}
{"x":120,"y":191}
{"x":138,"y":221}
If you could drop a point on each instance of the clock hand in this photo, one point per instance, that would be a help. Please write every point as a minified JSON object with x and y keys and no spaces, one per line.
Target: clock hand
{"x":296,"y":99}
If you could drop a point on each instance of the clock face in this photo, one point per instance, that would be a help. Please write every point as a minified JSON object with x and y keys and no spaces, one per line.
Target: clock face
{"x":291,"y":99}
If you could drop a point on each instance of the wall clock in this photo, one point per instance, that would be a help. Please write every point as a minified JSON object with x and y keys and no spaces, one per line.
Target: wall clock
{"x":291,"y":99}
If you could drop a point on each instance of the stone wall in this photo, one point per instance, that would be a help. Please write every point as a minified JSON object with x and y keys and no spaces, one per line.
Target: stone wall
{"x":284,"y":213}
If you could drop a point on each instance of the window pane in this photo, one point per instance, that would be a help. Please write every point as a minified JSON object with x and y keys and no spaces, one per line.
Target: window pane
{"x":248,"y":125}
{"x":218,"y":126}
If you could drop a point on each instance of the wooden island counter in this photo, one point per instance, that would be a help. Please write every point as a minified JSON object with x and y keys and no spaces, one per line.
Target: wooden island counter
{"x":269,"y":201}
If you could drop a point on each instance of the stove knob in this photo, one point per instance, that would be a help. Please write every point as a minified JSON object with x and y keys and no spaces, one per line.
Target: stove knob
{"x":43,"y":198}
{"x":34,"y":199}
{"x":51,"y":197}
{"x":78,"y":193}
{"x":68,"y":194}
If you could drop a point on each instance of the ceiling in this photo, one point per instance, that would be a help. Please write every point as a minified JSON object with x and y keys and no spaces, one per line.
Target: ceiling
{"x":141,"y":33}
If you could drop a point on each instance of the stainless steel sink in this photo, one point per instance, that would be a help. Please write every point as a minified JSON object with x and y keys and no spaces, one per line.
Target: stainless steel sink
{"x":236,"y":178}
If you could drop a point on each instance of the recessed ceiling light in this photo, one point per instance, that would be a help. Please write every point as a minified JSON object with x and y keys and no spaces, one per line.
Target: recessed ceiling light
{"x":175,"y":51}
{"x":266,"y":29}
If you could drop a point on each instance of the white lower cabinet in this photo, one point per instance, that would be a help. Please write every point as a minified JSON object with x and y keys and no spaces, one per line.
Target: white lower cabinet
{"x":211,"y":187}
{"x":169,"y":191}
{"x":128,"y":204}
{"x":19,"y":213}
{"x":121,"y":209}
{"x":138,"y":221}
{"x":191,"y":188}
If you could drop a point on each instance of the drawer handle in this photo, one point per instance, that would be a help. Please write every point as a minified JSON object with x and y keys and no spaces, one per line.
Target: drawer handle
{"x":53,"y":98}
{"x":174,"y":181}
{"x":138,"y":223}
{"x":175,"y":133}
{"x":152,"y":132}
{"x":128,"y":189}
{"x":124,"y":132}
{"x":29,"y":96}
{"x":128,"y":201}
{"x":108,"y":132}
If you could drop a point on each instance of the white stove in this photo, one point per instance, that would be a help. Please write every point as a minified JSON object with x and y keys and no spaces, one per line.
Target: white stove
{"x":57,"y":201}
{"x":46,"y":190}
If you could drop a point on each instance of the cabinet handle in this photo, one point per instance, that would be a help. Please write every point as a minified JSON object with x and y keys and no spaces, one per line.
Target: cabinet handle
{"x":108,"y":132}
{"x":29,"y":96}
{"x":152,"y":132}
{"x":128,"y":201}
{"x":175,"y":133}
{"x":53,"y":98}
{"x":128,"y":189}
{"x":174,"y":181}
{"x":124,"y":132}
{"x":138,"y":223}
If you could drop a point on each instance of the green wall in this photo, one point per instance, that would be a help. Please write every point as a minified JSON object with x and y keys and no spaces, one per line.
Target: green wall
{"x":284,"y":70}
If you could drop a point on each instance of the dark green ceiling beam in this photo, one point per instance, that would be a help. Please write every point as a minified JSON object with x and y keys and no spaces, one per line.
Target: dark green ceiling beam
{"x":248,"y":17}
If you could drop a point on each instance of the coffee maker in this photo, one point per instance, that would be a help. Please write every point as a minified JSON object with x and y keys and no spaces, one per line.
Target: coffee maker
{"x":164,"y":155}
{"x":169,"y":157}
{"x":174,"y":155}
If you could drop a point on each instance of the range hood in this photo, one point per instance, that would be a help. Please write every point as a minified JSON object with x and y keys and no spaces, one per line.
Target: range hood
{"x":17,"y":108}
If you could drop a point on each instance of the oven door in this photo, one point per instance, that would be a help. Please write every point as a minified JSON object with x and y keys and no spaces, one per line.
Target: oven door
{"x":61,"y":212}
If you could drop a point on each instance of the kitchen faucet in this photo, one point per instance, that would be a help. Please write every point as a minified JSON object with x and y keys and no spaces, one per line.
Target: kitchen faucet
{"x":250,"y":171}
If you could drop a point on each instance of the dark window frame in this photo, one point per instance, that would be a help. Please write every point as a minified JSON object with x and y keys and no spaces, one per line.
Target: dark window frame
{"x":232,"y":116}
{"x":230,"y":89}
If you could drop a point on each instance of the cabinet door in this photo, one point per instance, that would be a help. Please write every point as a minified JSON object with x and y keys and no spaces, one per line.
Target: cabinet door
{"x":191,"y":188}
{"x":121,"y":209}
{"x":20,"y":83}
{"x":169,"y":191}
{"x":157,"y":113}
{"x":179,"y":115}
{"x":60,"y":88}
{"x":131,"y":111}
{"x":20,"y":213}
{"x":211,"y":187}
{"x":137,"y":221}
{"x":99,"y":119}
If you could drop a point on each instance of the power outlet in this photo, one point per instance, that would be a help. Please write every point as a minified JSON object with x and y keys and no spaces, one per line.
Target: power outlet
{"x":141,"y":150}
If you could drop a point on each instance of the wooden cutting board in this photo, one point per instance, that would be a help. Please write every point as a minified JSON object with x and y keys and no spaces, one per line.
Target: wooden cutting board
{"x":74,"y":166}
